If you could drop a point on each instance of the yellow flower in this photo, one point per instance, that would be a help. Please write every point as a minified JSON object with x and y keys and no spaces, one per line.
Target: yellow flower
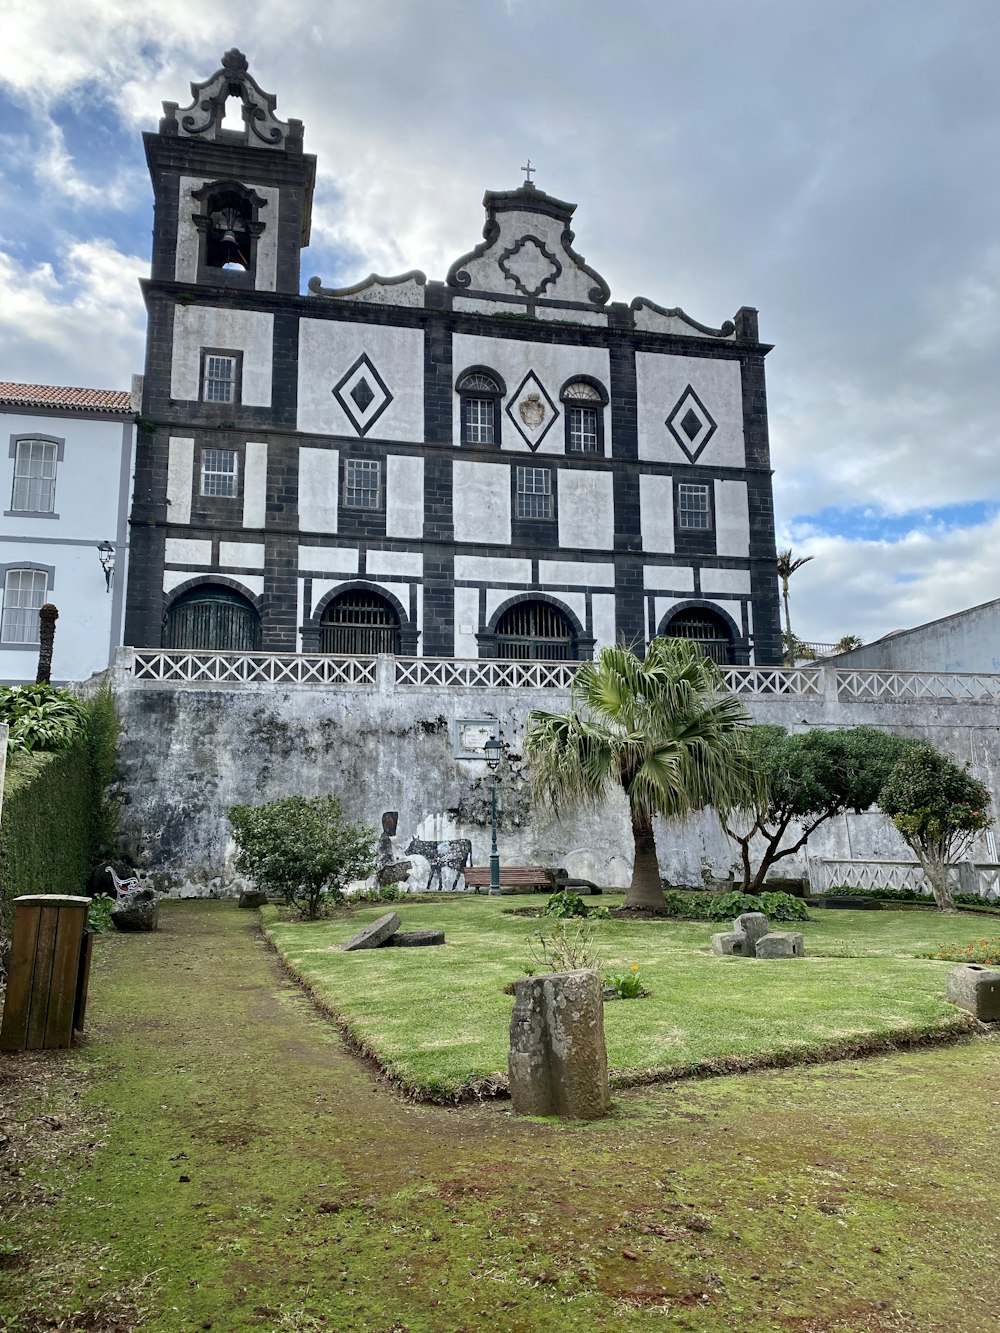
{"x":635,"y":967}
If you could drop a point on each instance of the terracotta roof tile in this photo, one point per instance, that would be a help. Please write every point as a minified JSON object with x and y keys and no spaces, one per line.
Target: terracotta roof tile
{"x":63,"y":399}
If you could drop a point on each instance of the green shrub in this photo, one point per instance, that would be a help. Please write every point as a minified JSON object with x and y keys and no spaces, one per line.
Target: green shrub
{"x":565,"y":905}
{"x":99,"y":918}
{"x":914,"y":896}
{"x":303,"y":850}
{"x":626,"y":984}
{"x":40,"y":717}
{"x":726,"y":906}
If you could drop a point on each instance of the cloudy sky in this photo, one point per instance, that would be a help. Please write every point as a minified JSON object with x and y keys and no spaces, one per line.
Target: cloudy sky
{"x":833,"y":164}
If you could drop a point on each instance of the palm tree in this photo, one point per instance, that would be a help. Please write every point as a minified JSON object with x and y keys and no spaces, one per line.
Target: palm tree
{"x":47,"y":617}
{"x":664,"y":729}
{"x":787,"y":565}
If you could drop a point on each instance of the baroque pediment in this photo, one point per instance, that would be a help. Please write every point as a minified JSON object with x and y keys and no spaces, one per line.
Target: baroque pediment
{"x":527,"y":253}
{"x":203,"y":118}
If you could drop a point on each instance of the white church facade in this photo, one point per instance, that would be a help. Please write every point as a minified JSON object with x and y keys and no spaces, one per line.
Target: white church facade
{"x":504,"y":463}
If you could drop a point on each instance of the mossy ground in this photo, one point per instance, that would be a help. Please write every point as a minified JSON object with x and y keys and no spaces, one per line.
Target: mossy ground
{"x":437,"y":1019}
{"x":213,"y":1158}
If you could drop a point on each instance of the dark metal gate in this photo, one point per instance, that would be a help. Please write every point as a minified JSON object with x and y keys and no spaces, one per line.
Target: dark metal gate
{"x":212,"y":620}
{"x":359,"y":624}
{"x":708,"y":631}
{"x":534,"y":630}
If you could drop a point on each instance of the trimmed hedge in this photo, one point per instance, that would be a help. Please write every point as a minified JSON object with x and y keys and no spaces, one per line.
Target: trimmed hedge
{"x":46,"y":839}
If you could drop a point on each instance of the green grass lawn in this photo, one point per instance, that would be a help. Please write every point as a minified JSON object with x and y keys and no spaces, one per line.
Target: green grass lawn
{"x":437,"y":1019}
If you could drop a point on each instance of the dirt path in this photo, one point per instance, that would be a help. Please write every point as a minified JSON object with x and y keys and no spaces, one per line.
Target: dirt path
{"x":213,"y":1158}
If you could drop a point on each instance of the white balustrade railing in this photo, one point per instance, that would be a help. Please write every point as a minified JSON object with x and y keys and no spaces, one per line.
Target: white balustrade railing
{"x":387,"y":672}
{"x":899,"y":686}
{"x":248,"y":668}
{"x":827,"y":873}
{"x":484,"y":673}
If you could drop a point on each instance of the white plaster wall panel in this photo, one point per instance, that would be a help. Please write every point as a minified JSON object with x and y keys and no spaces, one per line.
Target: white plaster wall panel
{"x":320,"y":589}
{"x":586,"y":510}
{"x":255,"y":484}
{"x":186,"y":551}
{"x":552,"y":363}
{"x":492,"y":569}
{"x":328,"y":350}
{"x":656,"y":513}
{"x":328,"y":560}
{"x":373,"y":291}
{"x":603,"y":610}
{"x":180,"y":478}
{"x":466,"y":622}
{"x":404,"y":496}
{"x":404,"y":563}
{"x":669,"y":578}
{"x":724,"y":580}
{"x":732,"y":518}
{"x":661,"y":380}
{"x":562,"y":315}
{"x":319,"y":480}
{"x":87,"y":480}
{"x":573,"y":601}
{"x":481,"y":500}
{"x":571,"y":284}
{"x":586,"y":574}
{"x":241,"y":555}
{"x":647,"y":316}
{"x":173,"y":577}
{"x":477,"y":305}
{"x":186,"y":252}
{"x":248,"y":331}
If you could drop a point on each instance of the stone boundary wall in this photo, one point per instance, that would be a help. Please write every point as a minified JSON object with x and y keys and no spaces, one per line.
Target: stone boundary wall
{"x":189,"y":751}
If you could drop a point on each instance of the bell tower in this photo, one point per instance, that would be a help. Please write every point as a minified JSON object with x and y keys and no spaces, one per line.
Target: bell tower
{"x":232,"y":205}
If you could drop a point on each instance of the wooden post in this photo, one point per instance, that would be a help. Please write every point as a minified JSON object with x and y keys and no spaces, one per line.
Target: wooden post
{"x":44,"y":973}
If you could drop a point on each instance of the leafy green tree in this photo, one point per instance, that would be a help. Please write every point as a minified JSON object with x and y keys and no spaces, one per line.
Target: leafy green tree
{"x":938,"y":807}
{"x":304,"y":850}
{"x":663,"y":729}
{"x":810,"y":777}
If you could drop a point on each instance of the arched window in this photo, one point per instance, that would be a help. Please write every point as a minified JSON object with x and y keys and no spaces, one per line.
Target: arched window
{"x":229,"y":225}
{"x":359,"y":623}
{"x":480,"y":392}
{"x":706,"y":628}
{"x":535,"y":630}
{"x":583,"y":410}
{"x":212,"y":618}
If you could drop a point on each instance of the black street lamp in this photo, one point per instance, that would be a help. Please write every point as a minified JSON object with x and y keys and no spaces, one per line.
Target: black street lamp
{"x":492,"y":749}
{"x":106,"y":555}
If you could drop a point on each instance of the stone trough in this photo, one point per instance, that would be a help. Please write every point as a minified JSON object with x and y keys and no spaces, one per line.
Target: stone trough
{"x":385,"y":933}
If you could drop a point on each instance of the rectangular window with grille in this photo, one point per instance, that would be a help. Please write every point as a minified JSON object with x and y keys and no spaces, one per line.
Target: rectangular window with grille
{"x":582,"y":430}
{"x":534,"y":492}
{"x":693,"y":507}
{"x":35,"y":476}
{"x":23,"y":595}
{"x":219,"y":472}
{"x":219,"y":377}
{"x":362,"y":483}
{"x":477,"y":421}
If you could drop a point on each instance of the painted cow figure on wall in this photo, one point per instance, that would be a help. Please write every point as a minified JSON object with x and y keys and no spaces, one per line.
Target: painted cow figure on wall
{"x":451,"y":854}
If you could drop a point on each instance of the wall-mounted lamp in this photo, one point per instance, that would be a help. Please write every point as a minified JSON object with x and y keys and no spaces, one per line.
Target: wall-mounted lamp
{"x":106,"y":554}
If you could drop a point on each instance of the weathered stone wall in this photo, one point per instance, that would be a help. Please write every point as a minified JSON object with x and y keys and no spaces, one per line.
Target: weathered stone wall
{"x":191,"y":750}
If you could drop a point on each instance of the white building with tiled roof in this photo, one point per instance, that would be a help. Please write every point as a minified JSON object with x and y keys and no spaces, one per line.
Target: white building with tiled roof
{"x":64,"y":525}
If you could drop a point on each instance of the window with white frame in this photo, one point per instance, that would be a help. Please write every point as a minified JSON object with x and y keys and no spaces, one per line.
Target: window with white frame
{"x":694,"y":510}
{"x":23,"y":596}
{"x":534,"y":492}
{"x":219,"y":377}
{"x":219,"y":472}
{"x":480,"y":396}
{"x":362,"y":483}
{"x":35,"y":476}
{"x":584,"y":412}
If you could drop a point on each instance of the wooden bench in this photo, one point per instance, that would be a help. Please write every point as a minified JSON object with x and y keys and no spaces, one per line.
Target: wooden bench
{"x":511,"y":877}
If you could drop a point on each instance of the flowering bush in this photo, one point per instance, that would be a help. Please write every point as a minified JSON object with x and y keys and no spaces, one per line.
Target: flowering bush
{"x":983,"y":950}
{"x":625,"y":985}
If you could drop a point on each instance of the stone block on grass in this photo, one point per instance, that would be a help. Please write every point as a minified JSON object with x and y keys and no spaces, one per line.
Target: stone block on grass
{"x":977,"y":989}
{"x":781,"y":944}
{"x":558,"y":1061}
{"x":252,"y":898}
{"x":370,"y":937}
{"x":413,"y":939}
{"x":754,"y":926}
{"x":732,"y":942}
{"x":138,"y":910}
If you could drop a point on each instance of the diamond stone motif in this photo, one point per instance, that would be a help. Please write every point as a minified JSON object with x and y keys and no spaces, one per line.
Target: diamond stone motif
{"x":529,"y":265}
{"x":691,"y":424}
{"x":532,"y":411}
{"x":363,"y":394}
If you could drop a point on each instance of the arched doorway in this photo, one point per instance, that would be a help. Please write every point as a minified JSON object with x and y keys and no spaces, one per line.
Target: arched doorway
{"x":359,"y":623}
{"x":212,"y":618}
{"x":535,"y":630}
{"x":704,"y":627}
